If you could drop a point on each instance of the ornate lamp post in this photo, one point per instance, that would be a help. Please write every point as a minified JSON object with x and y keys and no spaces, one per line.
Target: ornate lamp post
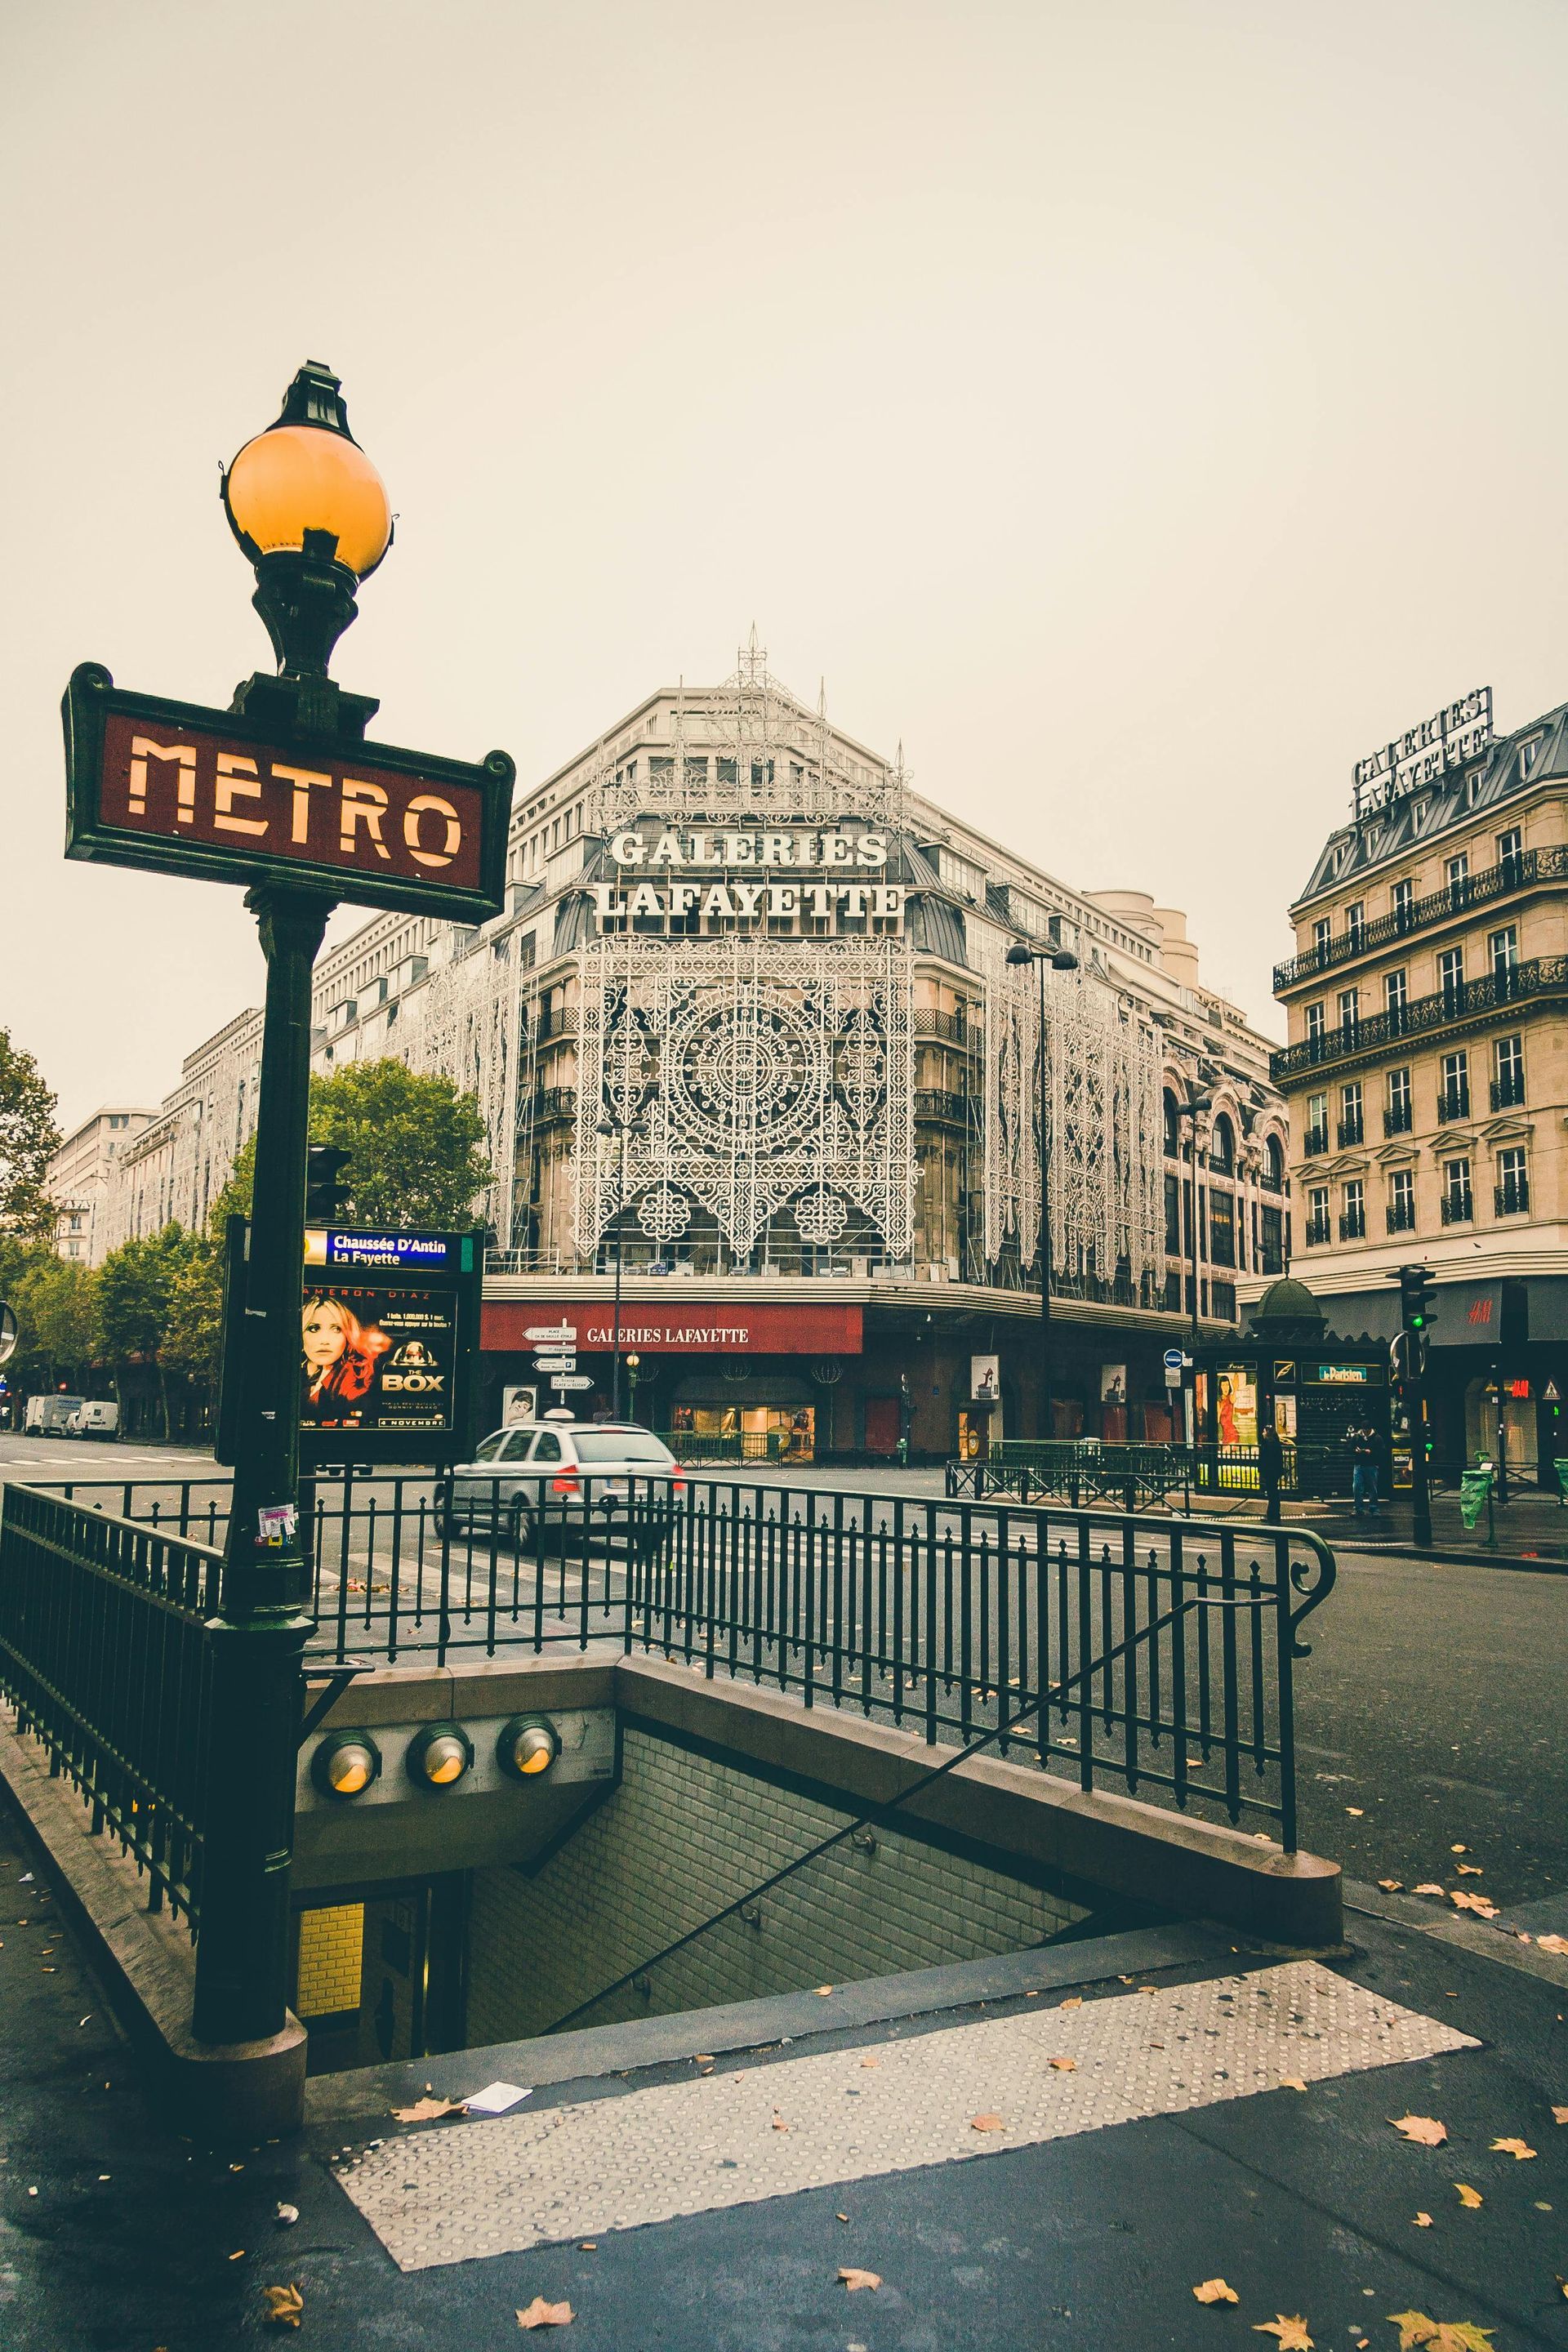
{"x":309,"y":510}
{"x":1055,"y":959}
{"x":1198,"y":1107}
{"x":614,"y":1123}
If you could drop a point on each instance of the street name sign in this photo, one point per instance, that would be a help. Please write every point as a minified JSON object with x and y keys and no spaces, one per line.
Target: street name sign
{"x":555,"y":1363}
{"x":553,"y":1332}
{"x":570,"y":1381}
{"x":210,"y":793}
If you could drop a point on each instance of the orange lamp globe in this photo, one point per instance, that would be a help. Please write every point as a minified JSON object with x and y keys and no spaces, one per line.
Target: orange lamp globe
{"x":296,"y":479}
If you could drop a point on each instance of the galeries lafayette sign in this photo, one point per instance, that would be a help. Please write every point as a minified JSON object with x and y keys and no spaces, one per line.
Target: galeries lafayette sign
{"x":824,"y":1330}
{"x":748,"y":874}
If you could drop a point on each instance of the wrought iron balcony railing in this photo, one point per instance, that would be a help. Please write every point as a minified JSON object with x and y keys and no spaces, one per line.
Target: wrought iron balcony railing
{"x":1453,"y":1102}
{"x":1399,"y":1117}
{"x":1508,"y":1094}
{"x":1459,"y":1208}
{"x":1511,"y":1197}
{"x":1352,"y":1225}
{"x":1315,"y":1141}
{"x":1540,"y":981}
{"x":1402,"y":1217}
{"x":1352,"y":1130}
{"x":1532,"y":867}
{"x":1318,"y":1232}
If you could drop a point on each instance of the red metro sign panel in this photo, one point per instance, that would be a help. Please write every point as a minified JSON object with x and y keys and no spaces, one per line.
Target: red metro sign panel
{"x":177,"y":788}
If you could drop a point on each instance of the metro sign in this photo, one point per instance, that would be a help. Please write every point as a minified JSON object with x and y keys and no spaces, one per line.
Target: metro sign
{"x":176,"y":788}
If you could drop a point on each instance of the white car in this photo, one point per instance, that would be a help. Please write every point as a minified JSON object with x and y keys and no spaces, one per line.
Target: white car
{"x":563,"y":1478}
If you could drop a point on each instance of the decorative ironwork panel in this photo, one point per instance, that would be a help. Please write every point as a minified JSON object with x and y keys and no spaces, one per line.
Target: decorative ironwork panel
{"x":771,"y":1074}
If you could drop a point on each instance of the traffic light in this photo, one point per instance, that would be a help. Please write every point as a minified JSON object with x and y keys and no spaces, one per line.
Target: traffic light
{"x":1414,"y":1311}
{"x":324,"y":1165}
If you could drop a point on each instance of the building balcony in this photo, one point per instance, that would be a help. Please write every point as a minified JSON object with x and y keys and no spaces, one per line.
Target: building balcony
{"x":1511,"y":1198}
{"x":1352,"y":1131}
{"x":936,"y":1107}
{"x":1500,"y":881}
{"x":1400,"y":1120}
{"x":551,"y":1104}
{"x":1508,"y":1094}
{"x":1542,"y":981}
{"x":1401,"y":1215}
{"x":1318,"y":1232}
{"x":1352,"y":1225}
{"x":1459,"y":1208}
{"x":1315,"y":1142}
{"x":1453,"y":1102}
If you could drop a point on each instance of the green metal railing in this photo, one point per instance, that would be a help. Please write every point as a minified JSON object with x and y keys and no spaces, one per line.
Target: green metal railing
{"x":1130,"y":1475}
{"x":743,"y":1446}
{"x":104,"y":1654}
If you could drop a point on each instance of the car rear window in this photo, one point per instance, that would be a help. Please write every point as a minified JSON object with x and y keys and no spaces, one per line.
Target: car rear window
{"x":618,"y":1446}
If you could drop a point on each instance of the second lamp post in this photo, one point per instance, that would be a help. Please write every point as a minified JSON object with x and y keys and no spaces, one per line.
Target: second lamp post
{"x":1053,"y":959}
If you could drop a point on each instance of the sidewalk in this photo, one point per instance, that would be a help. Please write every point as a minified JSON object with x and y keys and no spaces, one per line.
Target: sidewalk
{"x":1176,"y":2149}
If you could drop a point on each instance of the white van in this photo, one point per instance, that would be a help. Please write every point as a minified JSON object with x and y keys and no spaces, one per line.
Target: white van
{"x":50,"y":1416}
{"x":98,"y":1417}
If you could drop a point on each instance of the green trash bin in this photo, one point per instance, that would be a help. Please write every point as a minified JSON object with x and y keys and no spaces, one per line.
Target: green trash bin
{"x":1475,"y":1491}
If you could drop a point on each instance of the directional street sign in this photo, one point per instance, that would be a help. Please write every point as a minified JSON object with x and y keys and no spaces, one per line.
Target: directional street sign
{"x":570,"y":1381}
{"x":557,"y":1334}
{"x":555,"y":1363}
{"x":1174,"y":1359}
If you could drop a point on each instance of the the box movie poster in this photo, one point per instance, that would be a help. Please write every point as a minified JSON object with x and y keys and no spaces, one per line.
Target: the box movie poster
{"x":376,"y":1359}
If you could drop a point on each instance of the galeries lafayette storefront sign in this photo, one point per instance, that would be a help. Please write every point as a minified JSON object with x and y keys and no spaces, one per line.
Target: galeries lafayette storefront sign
{"x":824,"y":1330}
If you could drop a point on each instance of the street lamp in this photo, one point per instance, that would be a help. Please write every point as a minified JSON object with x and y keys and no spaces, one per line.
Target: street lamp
{"x":1198,"y":1107}
{"x":1057,"y":958}
{"x":633,"y":1362}
{"x":308,"y":510}
{"x":614,"y":1123}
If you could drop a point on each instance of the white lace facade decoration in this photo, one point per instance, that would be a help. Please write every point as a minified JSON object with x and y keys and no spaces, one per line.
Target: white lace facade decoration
{"x":1104,"y":1117}
{"x":768,"y":1076}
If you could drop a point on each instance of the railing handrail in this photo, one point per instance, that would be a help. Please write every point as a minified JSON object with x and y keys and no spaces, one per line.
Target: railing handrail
{"x":1371,"y":1034}
{"x":1509,"y":875}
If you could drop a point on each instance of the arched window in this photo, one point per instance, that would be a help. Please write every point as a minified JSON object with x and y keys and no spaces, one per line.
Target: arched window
{"x":1221,"y":1147}
{"x":1274,"y":1178}
{"x":1173,"y":1133}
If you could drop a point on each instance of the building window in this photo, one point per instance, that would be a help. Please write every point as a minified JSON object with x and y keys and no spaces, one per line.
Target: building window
{"x":1454,"y":1095}
{"x":1456,"y":874}
{"x":1457,"y":1207}
{"x":1173,"y":1216}
{"x":1273,"y":1178}
{"x":1502,"y":949}
{"x":1513,"y":1196}
{"x":1451,"y":974}
{"x":1508,"y":1081}
{"x":1394,"y":994}
{"x":1398,"y":1118}
{"x":1352,"y":1122}
{"x":1402,"y":904}
{"x":1314,"y":1024}
{"x":1222,"y":1228}
{"x":1355,"y":923}
{"x":1317,"y":1216}
{"x":1221,"y":1147}
{"x":1402,"y":1201}
{"x":1352,"y":1218}
{"x":1349,"y":1008}
{"x":1272,"y":1229}
{"x":1322,"y":936}
{"x":1510,"y":857}
{"x":1316,"y":1139}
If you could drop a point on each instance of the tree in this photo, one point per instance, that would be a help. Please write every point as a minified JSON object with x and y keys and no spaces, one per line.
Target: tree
{"x":28,"y":1137}
{"x":414,"y":1146}
{"x":193,"y":1340}
{"x":137,"y":1284}
{"x":57,"y":1307}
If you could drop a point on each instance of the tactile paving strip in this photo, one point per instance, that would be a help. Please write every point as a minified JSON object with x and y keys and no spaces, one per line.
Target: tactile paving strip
{"x":465,"y":2190}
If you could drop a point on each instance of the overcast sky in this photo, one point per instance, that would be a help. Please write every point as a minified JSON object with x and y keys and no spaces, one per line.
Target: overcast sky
{"x":1143,"y":409}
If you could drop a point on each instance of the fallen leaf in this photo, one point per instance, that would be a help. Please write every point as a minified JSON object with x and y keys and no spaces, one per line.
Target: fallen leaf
{"x":237,"y":2255}
{"x":1470,"y":1870}
{"x":1292,"y":2082}
{"x":1477,"y":1903}
{"x":1458,"y":1849}
{"x":1515,"y":2147}
{"x":1426,"y":2131}
{"x":1560,"y":2114}
{"x":541,"y":2314}
{"x":779,"y":2123}
{"x":1065,"y":2065}
{"x":1469,"y":2198}
{"x":1073,"y":2001}
{"x":425,"y":2111}
{"x":1427,"y":1887}
{"x":704,"y":2058}
{"x":589,"y":2246}
{"x":821,"y":1989}
{"x":987,"y":2123}
{"x":1419,"y":2333}
{"x":871,"y":2062}
{"x":284,"y":2304}
{"x":1357,"y":1813}
{"x":1424,"y":2220}
{"x":1293,"y":2332}
{"x":288,"y":2213}
{"x":1216,"y":2291}
{"x":853,"y":2279}
{"x":1391,"y":1885}
{"x":841,"y":2217}
{"x":1552,"y":1943}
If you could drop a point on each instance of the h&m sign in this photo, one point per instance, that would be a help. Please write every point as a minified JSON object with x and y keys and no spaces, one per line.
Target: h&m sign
{"x":171,"y":786}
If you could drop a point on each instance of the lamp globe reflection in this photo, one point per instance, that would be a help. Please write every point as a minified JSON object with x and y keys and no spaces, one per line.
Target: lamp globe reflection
{"x":440,"y":1756}
{"x":527,"y":1745}
{"x":313,"y":515}
{"x":346,"y":1764}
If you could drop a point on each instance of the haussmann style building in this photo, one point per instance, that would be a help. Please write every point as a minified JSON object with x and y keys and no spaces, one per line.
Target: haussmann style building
{"x":1426,"y":1070}
{"x":748,"y":1022}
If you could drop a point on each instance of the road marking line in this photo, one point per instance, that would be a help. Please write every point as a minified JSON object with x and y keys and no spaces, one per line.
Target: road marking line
{"x":467,"y":2191}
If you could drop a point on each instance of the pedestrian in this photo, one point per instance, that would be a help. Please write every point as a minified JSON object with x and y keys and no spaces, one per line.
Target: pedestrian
{"x":1364,"y":1470}
{"x":1270,"y":1470}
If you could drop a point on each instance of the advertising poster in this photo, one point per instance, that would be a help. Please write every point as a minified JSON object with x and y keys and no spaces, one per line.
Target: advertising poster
{"x":1235,"y":1406}
{"x":372,"y":1357}
{"x":984,"y":1379}
{"x":1113,"y":1384}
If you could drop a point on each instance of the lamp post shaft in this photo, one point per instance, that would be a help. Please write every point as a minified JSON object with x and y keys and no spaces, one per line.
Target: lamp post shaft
{"x":1045,"y":1217}
{"x":620,"y":1247}
{"x":258,"y":1637}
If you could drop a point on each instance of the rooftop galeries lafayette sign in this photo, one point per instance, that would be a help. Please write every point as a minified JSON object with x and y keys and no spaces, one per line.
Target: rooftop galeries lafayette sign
{"x":175,"y":787}
{"x":749,"y":874}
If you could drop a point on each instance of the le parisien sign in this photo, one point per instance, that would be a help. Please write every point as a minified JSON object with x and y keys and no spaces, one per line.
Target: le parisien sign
{"x":182,"y":789}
